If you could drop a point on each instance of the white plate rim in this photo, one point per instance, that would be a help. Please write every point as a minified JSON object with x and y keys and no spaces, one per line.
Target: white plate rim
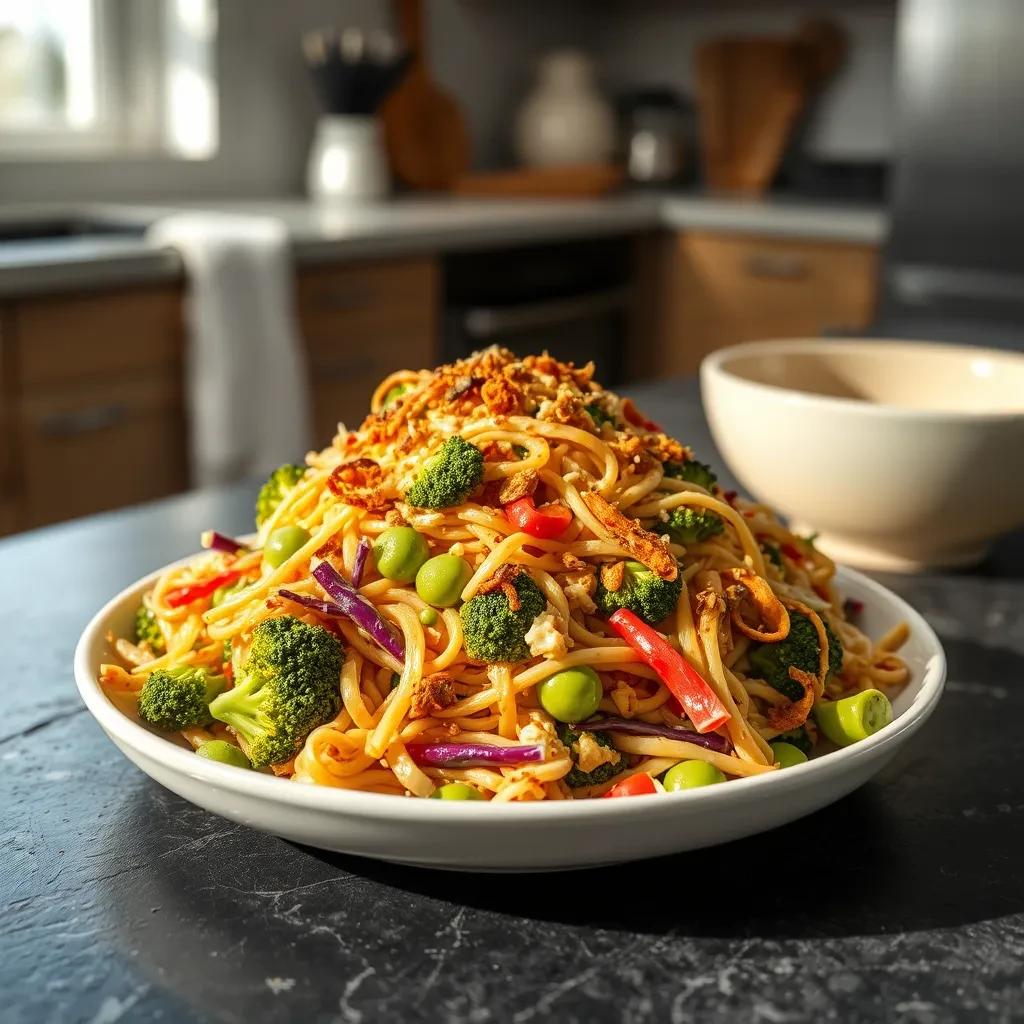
{"x":380,"y":806}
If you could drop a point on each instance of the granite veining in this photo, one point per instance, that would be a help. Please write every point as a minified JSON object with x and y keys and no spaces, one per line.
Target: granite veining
{"x":122,"y":903}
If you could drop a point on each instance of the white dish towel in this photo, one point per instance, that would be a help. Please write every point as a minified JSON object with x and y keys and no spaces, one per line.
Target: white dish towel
{"x":247,"y":385}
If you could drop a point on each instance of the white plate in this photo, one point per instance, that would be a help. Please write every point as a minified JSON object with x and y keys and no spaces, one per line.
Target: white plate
{"x":528,"y":836}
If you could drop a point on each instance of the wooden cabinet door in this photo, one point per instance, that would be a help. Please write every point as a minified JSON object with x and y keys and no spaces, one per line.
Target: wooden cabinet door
{"x":98,"y":403}
{"x":101,"y":447}
{"x":362,"y":321}
{"x":716,"y":290}
{"x":68,"y":339}
{"x":10,"y":489}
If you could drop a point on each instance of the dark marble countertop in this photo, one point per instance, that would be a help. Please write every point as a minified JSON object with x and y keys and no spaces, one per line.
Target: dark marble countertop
{"x":121,"y":902}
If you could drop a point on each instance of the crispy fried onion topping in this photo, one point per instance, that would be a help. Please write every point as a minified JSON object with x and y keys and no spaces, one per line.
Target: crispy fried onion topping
{"x":359,"y":483}
{"x":504,"y":580}
{"x":502,"y":397}
{"x":461,"y":386}
{"x":755,"y":610}
{"x":572,"y":562}
{"x":519,"y":485}
{"x":612,"y":575}
{"x":431,"y":694}
{"x":643,"y":545}
{"x":711,"y":622}
{"x":793,"y":714}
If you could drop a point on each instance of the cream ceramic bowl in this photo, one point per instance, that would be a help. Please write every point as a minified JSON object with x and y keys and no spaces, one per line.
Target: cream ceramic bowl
{"x":901,"y":455}
{"x":546,"y":836}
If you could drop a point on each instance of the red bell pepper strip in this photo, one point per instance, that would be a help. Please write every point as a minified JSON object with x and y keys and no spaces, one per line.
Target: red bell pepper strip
{"x":687,"y":685}
{"x":635,"y":785}
{"x":194,"y":591}
{"x":791,"y":551}
{"x":546,"y":522}
{"x":634,"y":416}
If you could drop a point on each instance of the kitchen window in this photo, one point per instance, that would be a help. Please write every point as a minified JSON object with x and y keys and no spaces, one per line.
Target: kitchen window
{"x":107,"y":77}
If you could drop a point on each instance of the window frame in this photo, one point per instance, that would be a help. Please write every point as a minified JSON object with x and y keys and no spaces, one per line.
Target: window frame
{"x":132,"y":60}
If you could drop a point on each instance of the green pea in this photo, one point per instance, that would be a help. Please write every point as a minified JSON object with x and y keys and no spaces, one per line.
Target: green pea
{"x":572,"y":694}
{"x":226,"y":753}
{"x":853,"y":718}
{"x":394,"y":394}
{"x":787,"y":755}
{"x":283,"y":543}
{"x":441,"y":580}
{"x":691,"y":775}
{"x":399,"y":552}
{"x":456,"y":791}
{"x":428,"y":617}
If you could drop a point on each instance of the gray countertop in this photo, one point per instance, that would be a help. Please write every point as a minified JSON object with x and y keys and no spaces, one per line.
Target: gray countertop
{"x":120,"y":902}
{"x":407,"y":226}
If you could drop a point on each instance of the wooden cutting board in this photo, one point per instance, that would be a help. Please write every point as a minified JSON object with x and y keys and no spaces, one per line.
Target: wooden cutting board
{"x":751,"y":93}
{"x":424,"y":130}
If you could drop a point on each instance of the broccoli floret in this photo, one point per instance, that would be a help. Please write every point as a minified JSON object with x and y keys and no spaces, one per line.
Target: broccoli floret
{"x":286,"y":688}
{"x":692,"y":525}
{"x":272,"y":493}
{"x":448,"y":476}
{"x":599,"y":416}
{"x":773,"y":553}
{"x":771,"y":662}
{"x":225,"y":653}
{"x":521,"y":451}
{"x":693,"y":471}
{"x":602,"y":773}
{"x":643,"y":593}
{"x":178,"y":698}
{"x":492,"y":631}
{"x":147,"y":630}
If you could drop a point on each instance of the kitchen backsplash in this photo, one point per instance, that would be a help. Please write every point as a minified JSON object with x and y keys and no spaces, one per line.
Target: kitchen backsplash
{"x":484,"y":52}
{"x":654,"y":42}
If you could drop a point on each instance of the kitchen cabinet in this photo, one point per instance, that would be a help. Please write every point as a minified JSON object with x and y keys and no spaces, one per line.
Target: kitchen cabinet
{"x":9,"y":492}
{"x":93,"y":400}
{"x":362,"y":321}
{"x":700,"y":291}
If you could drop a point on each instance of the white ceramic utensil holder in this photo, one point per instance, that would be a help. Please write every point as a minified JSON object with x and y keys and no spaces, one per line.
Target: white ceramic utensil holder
{"x":347,"y":160}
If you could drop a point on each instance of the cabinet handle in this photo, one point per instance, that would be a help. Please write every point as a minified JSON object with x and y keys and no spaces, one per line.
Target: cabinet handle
{"x":84,"y":421}
{"x":486,"y":322}
{"x":783,"y":266}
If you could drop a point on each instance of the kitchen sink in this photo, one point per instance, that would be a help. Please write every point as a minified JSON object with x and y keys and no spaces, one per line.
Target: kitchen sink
{"x":52,"y":229}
